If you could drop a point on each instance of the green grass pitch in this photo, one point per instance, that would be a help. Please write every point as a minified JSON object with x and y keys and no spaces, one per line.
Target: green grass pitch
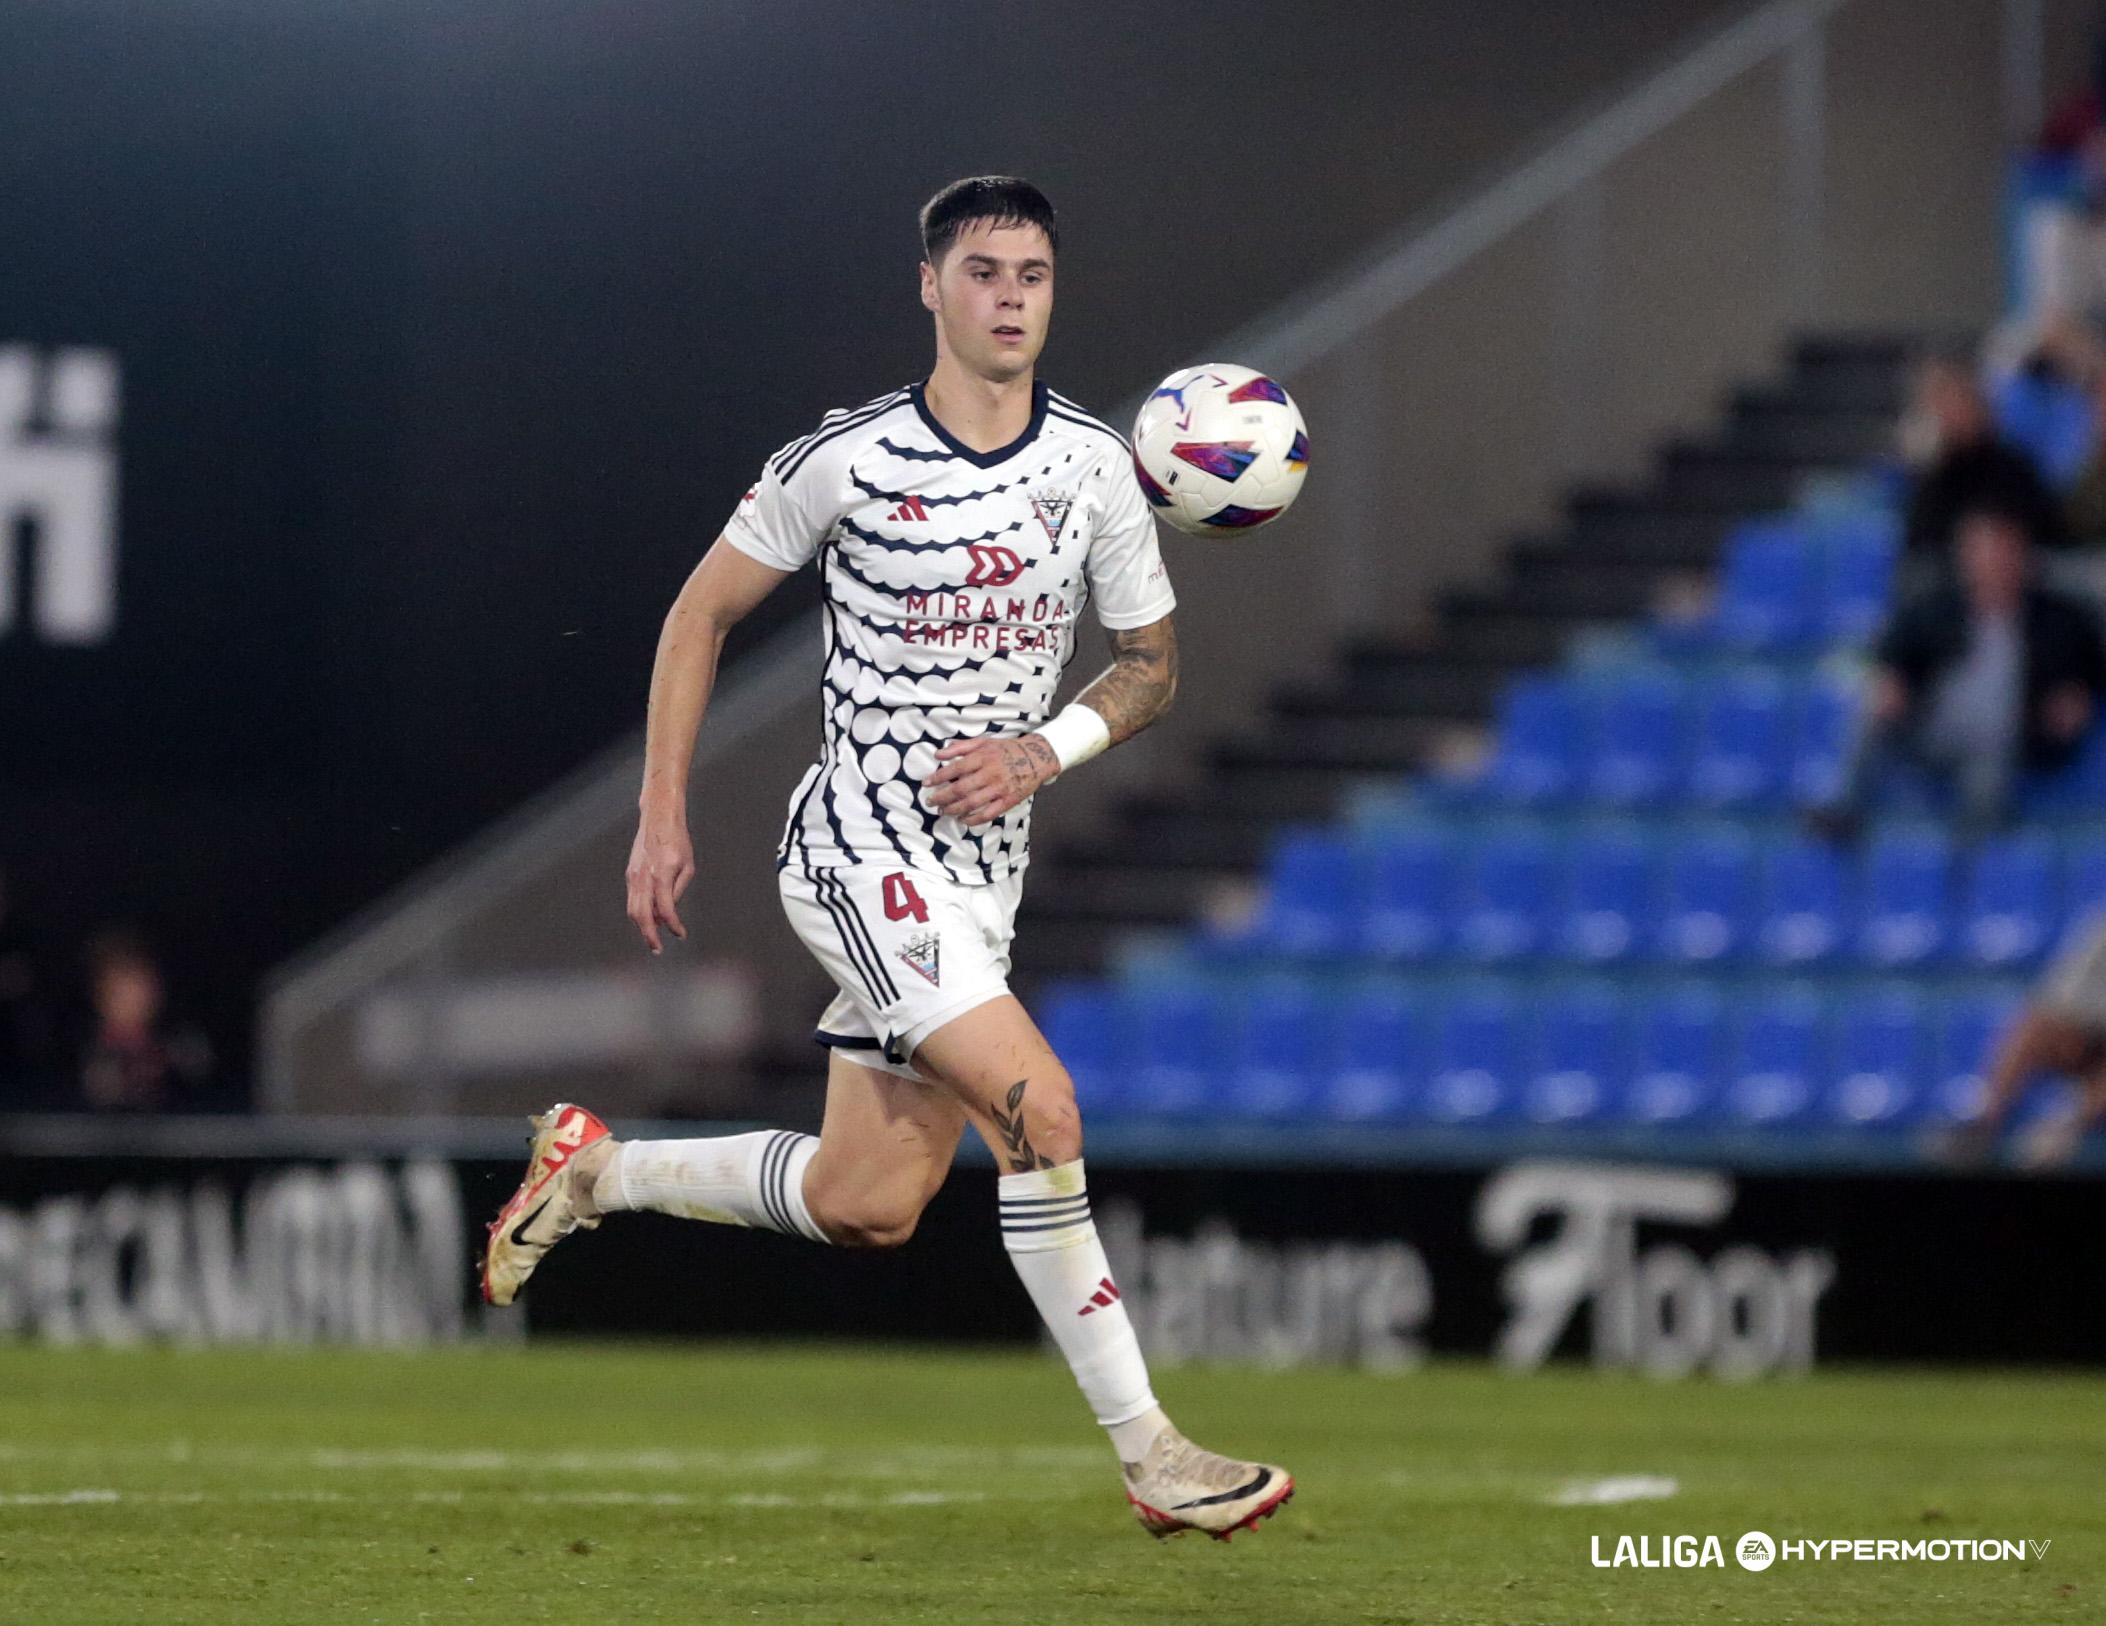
{"x":580,"y":1483}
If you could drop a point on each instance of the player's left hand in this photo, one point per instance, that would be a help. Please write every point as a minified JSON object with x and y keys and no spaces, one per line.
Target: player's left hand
{"x":976,"y":781}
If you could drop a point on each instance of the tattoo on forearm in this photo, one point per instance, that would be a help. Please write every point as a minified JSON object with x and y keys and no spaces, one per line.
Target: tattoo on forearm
{"x":1016,"y":1144}
{"x":1138,"y":686}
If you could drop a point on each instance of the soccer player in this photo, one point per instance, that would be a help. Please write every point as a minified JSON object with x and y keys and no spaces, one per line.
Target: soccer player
{"x":959,"y":526}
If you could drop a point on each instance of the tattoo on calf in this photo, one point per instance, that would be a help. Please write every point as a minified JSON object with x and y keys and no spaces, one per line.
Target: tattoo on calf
{"x":1016,"y":1144}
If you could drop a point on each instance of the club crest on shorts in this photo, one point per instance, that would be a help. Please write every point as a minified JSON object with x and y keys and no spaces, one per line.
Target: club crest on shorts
{"x":922,"y":953}
{"x":1052,"y":509}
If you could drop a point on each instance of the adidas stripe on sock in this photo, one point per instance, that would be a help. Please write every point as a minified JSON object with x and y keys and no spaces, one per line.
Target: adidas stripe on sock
{"x":755,"y":1180}
{"x":1052,"y":1242}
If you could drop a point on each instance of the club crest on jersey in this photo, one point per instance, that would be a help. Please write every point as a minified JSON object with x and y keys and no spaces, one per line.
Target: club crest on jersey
{"x":1052,"y":508}
{"x":921,"y":953}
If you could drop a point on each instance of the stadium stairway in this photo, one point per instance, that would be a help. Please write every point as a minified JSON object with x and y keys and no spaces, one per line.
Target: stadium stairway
{"x":1395,"y":706}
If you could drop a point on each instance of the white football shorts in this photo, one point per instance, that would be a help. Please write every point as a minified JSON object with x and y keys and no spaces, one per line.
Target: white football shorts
{"x":909,"y":951}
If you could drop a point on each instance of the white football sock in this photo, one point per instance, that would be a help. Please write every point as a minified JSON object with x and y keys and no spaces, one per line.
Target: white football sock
{"x":755,"y":1180}
{"x":1052,"y":1242}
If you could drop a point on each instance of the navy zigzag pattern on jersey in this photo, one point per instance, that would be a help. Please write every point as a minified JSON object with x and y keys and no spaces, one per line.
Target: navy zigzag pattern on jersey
{"x":841,"y":563}
{"x":876,"y":494}
{"x":912,"y":454}
{"x":797,"y":458}
{"x":836,"y":419}
{"x":892,"y":544}
{"x":899,"y":544}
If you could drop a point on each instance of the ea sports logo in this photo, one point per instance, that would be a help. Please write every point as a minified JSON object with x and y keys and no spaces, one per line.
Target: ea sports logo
{"x":1755,"y":1551}
{"x":993,"y":567}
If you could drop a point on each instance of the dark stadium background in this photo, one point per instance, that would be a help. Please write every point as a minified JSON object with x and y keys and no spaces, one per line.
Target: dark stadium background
{"x":450,"y":335}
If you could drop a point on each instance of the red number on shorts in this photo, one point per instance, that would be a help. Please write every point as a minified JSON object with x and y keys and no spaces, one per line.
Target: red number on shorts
{"x":902,"y":902}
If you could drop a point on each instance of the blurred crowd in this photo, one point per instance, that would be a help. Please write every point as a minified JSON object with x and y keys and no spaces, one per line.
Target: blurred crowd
{"x":1994,"y":660}
{"x":94,"y":1030}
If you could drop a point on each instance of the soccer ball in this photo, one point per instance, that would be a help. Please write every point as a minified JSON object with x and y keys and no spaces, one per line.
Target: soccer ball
{"x":1220,"y":448}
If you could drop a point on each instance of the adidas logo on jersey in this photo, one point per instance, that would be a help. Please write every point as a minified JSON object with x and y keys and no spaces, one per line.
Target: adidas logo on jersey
{"x":909,"y":512}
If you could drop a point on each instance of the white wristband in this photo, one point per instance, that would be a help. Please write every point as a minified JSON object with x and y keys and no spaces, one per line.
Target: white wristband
{"x":1076,"y":735}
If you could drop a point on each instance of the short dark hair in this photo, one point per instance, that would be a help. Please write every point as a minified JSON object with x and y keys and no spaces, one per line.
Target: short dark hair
{"x":1004,"y":200}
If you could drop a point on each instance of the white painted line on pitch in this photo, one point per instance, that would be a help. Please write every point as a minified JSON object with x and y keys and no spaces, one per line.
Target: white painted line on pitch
{"x":72,"y":1498}
{"x":902,"y":1462}
{"x":1614,"y":1491}
{"x":608,"y":1498}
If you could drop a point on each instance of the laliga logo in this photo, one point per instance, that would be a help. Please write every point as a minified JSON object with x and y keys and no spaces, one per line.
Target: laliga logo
{"x":993,"y":567}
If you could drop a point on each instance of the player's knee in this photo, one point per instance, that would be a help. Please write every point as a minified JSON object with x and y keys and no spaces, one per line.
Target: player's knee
{"x":1055,"y":1126}
{"x":868,"y":1220}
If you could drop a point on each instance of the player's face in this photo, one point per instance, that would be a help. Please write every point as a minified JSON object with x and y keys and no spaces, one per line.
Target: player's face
{"x":993,"y":298}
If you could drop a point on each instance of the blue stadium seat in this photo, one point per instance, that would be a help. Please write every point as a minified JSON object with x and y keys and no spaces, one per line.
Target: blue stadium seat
{"x":2083,"y":879}
{"x":2012,"y":907}
{"x":1780,"y":1061}
{"x":1179,"y":1034}
{"x":1538,"y":756}
{"x":2054,"y":421}
{"x":2078,"y":786}
{"x":1679,"y":1042}
{"x":1081,"y":1022}
{"x":1610,"y":897}
{"x":1509,"y":888}
{"x":1860,"y":579}
{"x":1410,"y":898}
{"x":1742,"y":757}
{"x":1281,"y":1048}
{"x":1968,"y":1032}
{"x":1827,"y":723}
{"x":1582,"y":1056}
{"x":1905,"y":910}
{"x":1311,"y":902}
{"x":1380,"y":1057}
{"x":1806,"y":904}
{"x":1640,"y":740}
{"x":1769,"y":588}
{"x":1707,"y":906}
{"x":1881,"y":1050}
{"x":1475,"y":1066}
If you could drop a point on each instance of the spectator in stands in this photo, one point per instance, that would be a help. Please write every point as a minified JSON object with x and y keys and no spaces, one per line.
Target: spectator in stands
{"x":2061,"y":1030}
{"x":2058,"y":328}
{"x":136,"y":1059}
{"x":1949,"y":437}
{"x":1975,"y":677}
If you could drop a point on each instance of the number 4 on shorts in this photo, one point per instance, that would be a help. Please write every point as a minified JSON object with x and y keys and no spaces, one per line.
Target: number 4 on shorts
{"x":902,"y":902}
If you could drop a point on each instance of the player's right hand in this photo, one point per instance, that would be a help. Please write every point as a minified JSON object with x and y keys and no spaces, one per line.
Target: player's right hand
{"x":661,"y":863}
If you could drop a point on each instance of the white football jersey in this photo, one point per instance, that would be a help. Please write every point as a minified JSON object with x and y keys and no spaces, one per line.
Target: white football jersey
{"x":953,"y":581}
